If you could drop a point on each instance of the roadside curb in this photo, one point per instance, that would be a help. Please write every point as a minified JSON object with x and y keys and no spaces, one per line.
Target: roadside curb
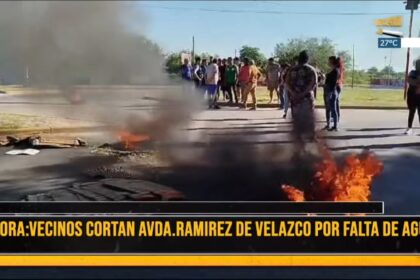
{"x":225,"y":104}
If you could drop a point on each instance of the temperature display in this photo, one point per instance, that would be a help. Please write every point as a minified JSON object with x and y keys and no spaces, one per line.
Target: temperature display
{"x":389,"y":42}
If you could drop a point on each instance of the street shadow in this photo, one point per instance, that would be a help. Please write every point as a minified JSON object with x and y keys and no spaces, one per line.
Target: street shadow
{"x":377,"y":146}
{"x":142,"y":106}
{"x":245,"y":133}
{"x":244,"y":127}
{"x":368,"y":136}
{"x":75,"y":167}
{"x":376,"y":129}
{"x":220,"y":120}
{"x":216,"y":144}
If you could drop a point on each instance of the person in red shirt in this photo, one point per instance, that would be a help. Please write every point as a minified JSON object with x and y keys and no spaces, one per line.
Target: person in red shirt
{"x":243,"y":77}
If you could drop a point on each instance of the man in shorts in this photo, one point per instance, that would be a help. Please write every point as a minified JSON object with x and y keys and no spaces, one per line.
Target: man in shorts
{"x":251,"y":85}
{"x":212,"y":79}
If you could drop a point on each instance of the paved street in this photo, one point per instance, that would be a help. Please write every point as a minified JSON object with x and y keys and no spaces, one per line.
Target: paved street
{"x":380,"y":131}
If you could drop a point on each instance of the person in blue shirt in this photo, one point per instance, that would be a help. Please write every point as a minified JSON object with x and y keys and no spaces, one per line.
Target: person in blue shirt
{"x":186,"y":70}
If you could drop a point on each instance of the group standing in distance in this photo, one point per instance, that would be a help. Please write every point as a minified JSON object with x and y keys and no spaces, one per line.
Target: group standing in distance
{"x":294,"y":85}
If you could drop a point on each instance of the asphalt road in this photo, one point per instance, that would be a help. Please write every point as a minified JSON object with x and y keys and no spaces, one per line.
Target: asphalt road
{"x":380,"y":131}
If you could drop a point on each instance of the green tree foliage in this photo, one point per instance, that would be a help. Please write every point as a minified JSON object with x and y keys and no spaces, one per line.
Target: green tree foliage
{"x":253,"y":53}
{"x":373,"y":72}
{"x":387,"y":71}
{"x":173,"y":60}
{"x":348,"y":63}
{"x":319,"y":50}
{"x":173,"y":63}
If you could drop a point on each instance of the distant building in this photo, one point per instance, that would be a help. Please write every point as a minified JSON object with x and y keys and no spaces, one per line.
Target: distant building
{"x":387,"y":83}
{"x":186,"y":56}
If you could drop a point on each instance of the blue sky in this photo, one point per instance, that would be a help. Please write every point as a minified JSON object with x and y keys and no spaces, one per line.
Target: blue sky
{"x":172,"y":24}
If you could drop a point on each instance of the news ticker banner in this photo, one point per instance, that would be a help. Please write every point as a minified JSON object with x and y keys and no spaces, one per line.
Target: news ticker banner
{"x":142,"y":234}
{"x":192,"y":207}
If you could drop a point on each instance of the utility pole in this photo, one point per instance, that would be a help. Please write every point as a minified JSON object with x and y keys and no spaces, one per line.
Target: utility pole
{"x":385,"y":77}
{"x":193,"y":50}
{"x":410,"y":5}
{"x":389,"y":67}
{"x":352,"y":72}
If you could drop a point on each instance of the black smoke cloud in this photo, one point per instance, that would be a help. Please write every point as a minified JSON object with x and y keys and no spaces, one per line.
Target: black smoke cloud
{"x":72,"y":42}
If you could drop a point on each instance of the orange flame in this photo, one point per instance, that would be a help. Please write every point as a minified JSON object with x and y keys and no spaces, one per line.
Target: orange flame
{"x":293,"y":193}
{"x":132,"y":140}
{"x":332,"y":183}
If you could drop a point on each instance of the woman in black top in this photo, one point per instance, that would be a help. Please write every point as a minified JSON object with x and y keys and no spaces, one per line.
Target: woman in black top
{"x":413,"y":96}
{"x":331,"y":94}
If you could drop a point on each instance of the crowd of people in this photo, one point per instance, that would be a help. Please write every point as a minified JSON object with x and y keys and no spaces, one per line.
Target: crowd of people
{"x":230,"y":78}
{"x":294,"y":85}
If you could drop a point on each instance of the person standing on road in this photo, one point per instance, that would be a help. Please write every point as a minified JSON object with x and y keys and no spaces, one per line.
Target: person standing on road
{"x":251,"y":86}
{"x":331,"y":94}
{"x":186,"y":70}
{"x":238,"y":64}
{"x":340,"y":84}
{"x":301,"y":81}
{"x":187,"y":76}
{"x":212,"y":79}
{"x":273,"y":78}
{"x":219,"y":83}
{"x":243,"y":78}
{"x":413,"y":96}
{"x":231,"y":80}
{"x":284,"y":68}
{"x":198,"y":74}
{"x":203,"y":68}
{"x":222,"y":79}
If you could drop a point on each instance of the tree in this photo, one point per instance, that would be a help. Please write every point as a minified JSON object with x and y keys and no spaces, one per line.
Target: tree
{"x":387,"y":70}
{"x":373,"y":72}
{"x":318,"y":49}
{"x":252,"y":53}
{"x":346,"y":57}
{"x":173,"y":62}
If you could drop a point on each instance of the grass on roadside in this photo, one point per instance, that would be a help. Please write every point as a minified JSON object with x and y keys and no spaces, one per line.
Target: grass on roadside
{"x":11,"y":122}
{"x":357,"y":96}
{"x":15,"y":121}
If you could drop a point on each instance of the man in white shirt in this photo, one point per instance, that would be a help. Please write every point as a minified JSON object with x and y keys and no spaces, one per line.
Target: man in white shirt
{"x":212,"y":78}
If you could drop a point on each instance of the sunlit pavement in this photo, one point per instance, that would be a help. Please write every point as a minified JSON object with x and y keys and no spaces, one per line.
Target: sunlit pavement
{"x":381,"y":131}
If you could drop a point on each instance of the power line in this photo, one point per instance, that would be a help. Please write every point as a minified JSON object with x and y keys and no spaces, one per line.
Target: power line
{"x":268,"y":12}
